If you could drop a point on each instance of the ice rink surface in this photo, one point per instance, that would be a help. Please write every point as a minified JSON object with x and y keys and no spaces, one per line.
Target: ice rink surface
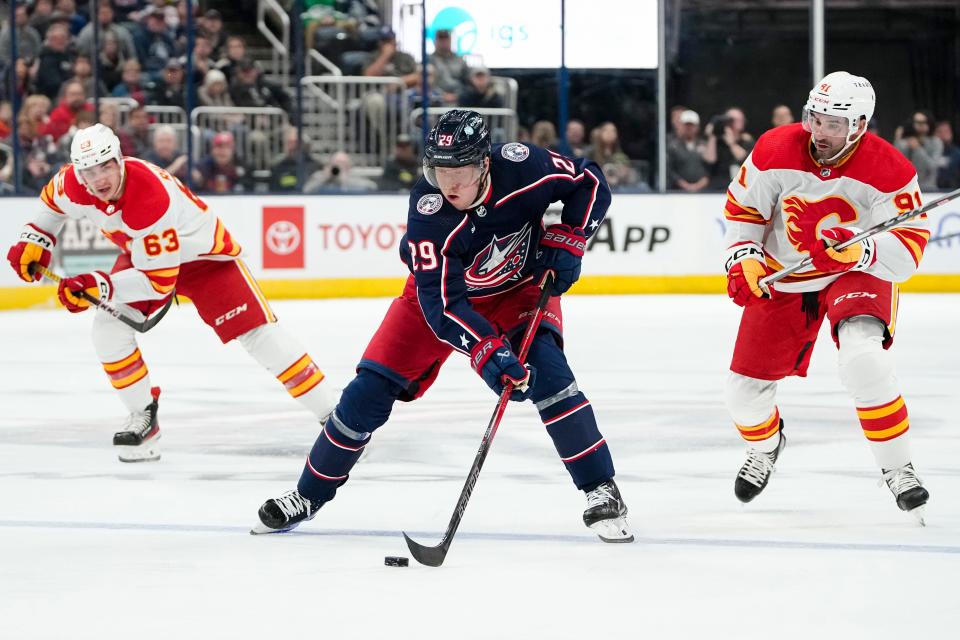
{"x":93,"y":548}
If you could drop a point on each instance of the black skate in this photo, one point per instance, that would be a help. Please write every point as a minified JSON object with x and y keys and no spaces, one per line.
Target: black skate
{"x":756,"y":471}
{"x":278,"y":515}
{"x":139,"y":441}
{"x":906,"y":488}
{"x":606,"y":513}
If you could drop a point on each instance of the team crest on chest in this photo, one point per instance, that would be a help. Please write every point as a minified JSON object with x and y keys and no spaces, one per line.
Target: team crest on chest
{"x":499,"y":262}
{"x":803,"y":219}
{"x":515,"y":151}
{"x":430,"y":203}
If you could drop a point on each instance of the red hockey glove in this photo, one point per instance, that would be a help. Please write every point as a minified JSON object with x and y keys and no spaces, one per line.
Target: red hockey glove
{"x":856,"y":257}
{"x":35,"y":246}
{"x":498,"y":366}
{"x":746,"y":266}
{"x":96,"y":284}
{"x":561,"y":251}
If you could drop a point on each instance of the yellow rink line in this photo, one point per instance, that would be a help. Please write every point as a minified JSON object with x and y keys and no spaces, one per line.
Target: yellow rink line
{"x":44,"y":295}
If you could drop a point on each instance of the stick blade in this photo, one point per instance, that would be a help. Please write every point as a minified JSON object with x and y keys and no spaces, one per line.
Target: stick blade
{"x":429,"y":556}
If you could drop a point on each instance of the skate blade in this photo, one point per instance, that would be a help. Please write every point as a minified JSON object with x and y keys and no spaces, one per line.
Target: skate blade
{"x":614,"y":530}
{"x":919,"y":515}
{"x":146,"y":452}
{"x":261,"y":529}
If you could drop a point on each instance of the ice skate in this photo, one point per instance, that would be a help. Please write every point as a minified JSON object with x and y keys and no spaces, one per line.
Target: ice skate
{"x":756,"y":471}
{"x":910,"y":494}
{"x":279,"y":515}
{"x":606,"y":513}
{"x":139,"y":440}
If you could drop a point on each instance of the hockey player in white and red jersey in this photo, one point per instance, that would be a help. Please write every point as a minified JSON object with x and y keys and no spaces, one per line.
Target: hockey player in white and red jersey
{"x":168,"y":240}
{"x":804,"y":188}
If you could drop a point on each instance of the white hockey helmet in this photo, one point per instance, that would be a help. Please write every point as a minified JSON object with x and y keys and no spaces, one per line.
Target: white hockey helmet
{"x":95,"y":145}
{"x":842,"y":95}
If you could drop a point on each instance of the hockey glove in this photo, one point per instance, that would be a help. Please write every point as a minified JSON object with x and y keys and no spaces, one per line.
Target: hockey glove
{"x":498,"y":366}
{"x":96,"y":284}
{"x":746,"y":266}
{"x":856,"y":257}
{"x":561,"y":251}
{"x":35,"y":246}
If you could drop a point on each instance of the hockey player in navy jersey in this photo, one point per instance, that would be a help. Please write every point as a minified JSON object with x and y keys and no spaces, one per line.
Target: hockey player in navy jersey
{"x":477,"y":252}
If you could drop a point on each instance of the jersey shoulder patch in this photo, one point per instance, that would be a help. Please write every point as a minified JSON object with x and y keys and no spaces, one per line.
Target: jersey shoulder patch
{"x":429,"y":204}
{"x":145,"y":198}
{"x":515,"y":151}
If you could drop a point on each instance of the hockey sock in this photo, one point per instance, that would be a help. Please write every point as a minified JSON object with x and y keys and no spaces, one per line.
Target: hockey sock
{"x":280,"y":354}
{"x":364,"y":406}
{"x":886,"y":426}
{"x":573,"y":429}
{"x":129,"y":376}
{"x":764,"y":436}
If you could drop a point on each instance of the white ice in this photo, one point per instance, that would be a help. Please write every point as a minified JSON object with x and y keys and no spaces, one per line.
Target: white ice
{"x":93,"y":548}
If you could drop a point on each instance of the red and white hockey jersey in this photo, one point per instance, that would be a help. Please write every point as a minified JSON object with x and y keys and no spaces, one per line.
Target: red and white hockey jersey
{"x":157,"y":220}
{"x":783,"y":197}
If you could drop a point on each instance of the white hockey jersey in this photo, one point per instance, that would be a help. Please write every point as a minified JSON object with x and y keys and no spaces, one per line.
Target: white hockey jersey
{"x":157,"y":220}
{"x":783,"y":197}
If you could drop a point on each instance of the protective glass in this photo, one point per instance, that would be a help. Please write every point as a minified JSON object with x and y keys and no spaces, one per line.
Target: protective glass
{"x":825,"y":125}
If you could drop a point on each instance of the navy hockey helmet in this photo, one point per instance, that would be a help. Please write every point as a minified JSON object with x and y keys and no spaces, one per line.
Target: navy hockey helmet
{"x":460,"y":138}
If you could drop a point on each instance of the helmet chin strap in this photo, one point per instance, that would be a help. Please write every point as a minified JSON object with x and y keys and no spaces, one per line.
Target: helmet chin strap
{"x":845,"y":148}
{"x":481,"y":188}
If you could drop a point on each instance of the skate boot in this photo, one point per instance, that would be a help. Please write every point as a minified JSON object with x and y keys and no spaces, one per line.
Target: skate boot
{"x":907,"y":489}
{"x":606,"y":513}
{"x":278,"y":515}
{"x":756,"y":471}
{"x":139,"y":441}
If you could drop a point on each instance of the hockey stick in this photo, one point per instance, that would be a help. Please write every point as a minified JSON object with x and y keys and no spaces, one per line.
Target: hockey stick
{"x":103,"y":305}
{"x":434,"y":556}
{"x":872,"y":231}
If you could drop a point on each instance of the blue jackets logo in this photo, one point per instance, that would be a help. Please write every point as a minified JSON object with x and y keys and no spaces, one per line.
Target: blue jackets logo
{"x":515,"y":151}
{"x":430,"y":203}
{"x":499,"y":262}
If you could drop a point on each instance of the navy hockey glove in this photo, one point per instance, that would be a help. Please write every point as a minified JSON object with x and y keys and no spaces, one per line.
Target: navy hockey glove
{"x":561,"y":251}
{"x":498,"y":366}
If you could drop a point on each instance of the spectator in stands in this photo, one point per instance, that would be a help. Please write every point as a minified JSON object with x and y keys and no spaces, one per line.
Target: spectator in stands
{"x":403,"y":169}
{"x":338,"y":177}
{"x":686,"y":168}
{"x":728,"y":145}
{"x":55,"y":63}
{"x":283,"y":169}
{"x":202,"y":60}
{"x":675,"y":125}
{"x":6,"y":119}
{"x":64,"y":116}
{"x":22,"y":84}
{"x":169,"y":90}
{"x":481,"y":94}
{"x":222,"y":171}
{"x":67,"y":10}
{"x":451,"y":70}
{"x":214,"y":91}
{"x":110,"y":60}
{"x":154,"y":44}
{"x":41,"y":16}
{"x":914,"y":141}
{"x":249,"y":89}
{"x":128,"y":10}
{"x":165,"y":154}
{"x":948,"y":166}
{"x":33,"y":119}
{"x":110,"y":117}
{"x":28,"y":40}
{"x":131,"y":85}
{"x":544,"y":134}
{"x":211,"y":26}
{"x":83,"y":73}
{"x":236,"y":52}
{"x":576,"y":137}
{"x":606,"y":152}
{"x":138,"y":130}
{"x":781,"y":115}
{"x":105,"y":14}
{"x":388,"y":60}
{"x":84,"y":119}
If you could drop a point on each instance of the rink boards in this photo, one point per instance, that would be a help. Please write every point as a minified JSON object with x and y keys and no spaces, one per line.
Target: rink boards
{"x":346,"y":246}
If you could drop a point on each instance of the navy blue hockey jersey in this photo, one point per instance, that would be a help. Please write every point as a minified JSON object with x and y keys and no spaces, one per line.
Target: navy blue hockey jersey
{"x":491,"y":249}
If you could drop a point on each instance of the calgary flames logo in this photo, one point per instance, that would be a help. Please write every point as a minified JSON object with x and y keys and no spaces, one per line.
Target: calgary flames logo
{"x":803,"y":218}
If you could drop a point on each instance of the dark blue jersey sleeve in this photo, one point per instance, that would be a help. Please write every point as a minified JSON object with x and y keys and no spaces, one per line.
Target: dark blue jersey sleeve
{"x":436,"y":244}
{"x":577,"y":182}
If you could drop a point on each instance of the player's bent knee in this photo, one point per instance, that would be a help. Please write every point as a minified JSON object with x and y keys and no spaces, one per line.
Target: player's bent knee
{"x":553,"y":373}
{"x":866,"y":369}
{"x":367,"y":401}
{"x":750,"y":400}
{"x":110,"y":335}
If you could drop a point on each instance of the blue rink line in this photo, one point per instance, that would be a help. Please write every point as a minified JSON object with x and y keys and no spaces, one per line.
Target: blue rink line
{"x":425,"y":537}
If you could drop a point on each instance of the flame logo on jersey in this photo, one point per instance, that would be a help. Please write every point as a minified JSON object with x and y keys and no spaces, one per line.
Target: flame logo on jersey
{"x":803,"y":218}
{"x":500,"y":261}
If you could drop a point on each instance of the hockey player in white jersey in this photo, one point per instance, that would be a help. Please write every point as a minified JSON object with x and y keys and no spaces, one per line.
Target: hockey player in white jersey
{"x":168,"y":240}
{"x":804,"y":188}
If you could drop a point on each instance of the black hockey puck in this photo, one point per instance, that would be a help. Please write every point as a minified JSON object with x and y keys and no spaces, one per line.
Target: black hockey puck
{"x":396,"y":561}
